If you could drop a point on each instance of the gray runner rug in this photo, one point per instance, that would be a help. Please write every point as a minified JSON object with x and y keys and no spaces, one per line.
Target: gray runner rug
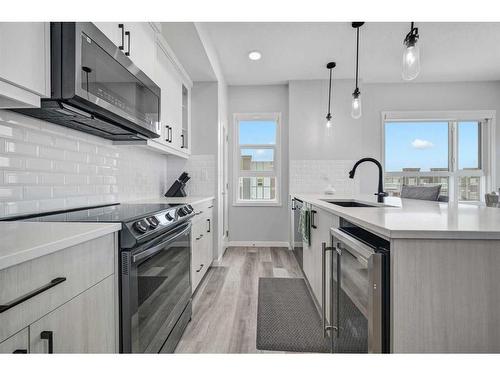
{"x":287,"y":319}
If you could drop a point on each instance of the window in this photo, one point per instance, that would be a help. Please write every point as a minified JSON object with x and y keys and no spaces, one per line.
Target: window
{"x":453,"y":153}
{"x":257,"y":165}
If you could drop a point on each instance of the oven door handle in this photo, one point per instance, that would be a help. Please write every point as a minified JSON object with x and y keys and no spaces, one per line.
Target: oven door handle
{"x":155,"y":249}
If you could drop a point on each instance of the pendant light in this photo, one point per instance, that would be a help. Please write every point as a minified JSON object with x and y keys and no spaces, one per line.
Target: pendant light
{"x":356,"y":95}
{"x":330,"y":67}
{"x":411,"y":55}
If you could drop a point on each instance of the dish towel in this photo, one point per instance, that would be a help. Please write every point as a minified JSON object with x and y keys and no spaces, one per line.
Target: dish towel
{"x":304,"y":224}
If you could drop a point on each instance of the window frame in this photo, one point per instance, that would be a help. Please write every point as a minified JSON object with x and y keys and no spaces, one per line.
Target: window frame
{"x":276,"y":172}
{"x":487,"y":167}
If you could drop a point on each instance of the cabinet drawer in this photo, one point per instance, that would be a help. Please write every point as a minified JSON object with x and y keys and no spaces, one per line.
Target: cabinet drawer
{"x":17,"y":343}
{"x":82,"y":265}
{"x":203,"y":211}
{"x":85,"y":324}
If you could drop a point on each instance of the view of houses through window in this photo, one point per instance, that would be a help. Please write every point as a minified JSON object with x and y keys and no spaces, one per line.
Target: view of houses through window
{"x":428,"y":153}
{"x":257,"y":173}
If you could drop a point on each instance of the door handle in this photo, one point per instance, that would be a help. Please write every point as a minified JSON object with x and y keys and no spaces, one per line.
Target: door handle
{"x":326,"y":327}
{"x":49,"y":336}
{"x":122,"y":27}
{"x":127,"y":33}
{"x":208,"y":231}
{"x":31,"y":294}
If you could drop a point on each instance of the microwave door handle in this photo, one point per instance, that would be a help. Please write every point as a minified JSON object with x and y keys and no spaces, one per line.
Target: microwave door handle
{"x":156,"y":249}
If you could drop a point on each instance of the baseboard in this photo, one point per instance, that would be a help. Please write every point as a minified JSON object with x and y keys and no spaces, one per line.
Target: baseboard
{"x":258,"y":244}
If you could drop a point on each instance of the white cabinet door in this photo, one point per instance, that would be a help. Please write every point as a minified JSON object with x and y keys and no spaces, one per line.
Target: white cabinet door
{"x":85,"y":324}
{"x":141,"y":45}
{"x":112,"y":31}
{"x":171,"y":99}
{"x":17,"y":343}
{"x":25,"y":59}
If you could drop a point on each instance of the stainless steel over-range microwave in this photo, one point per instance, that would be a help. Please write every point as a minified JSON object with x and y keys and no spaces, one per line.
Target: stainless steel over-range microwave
{"x":96,"y":88}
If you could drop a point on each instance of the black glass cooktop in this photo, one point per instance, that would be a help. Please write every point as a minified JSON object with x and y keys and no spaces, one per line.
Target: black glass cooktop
{"x":117,"y":213}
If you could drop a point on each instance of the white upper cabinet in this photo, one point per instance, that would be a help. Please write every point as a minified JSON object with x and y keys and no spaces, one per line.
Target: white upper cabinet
{"x":24,"y":63}
{"x":137,"y":40}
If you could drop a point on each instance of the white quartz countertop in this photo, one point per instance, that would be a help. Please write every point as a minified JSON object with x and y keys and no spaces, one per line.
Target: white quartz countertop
{"x":175,"y":200}
{"x":410,"y":218}
{"x":24,"y":241}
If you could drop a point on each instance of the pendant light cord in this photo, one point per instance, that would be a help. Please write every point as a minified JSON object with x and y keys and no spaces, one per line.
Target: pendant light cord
{"x":330,"y":91}
{"x":357,"y":54}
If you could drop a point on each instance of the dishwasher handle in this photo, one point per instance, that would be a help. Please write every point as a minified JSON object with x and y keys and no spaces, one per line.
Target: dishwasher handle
{"x":352,"y":245}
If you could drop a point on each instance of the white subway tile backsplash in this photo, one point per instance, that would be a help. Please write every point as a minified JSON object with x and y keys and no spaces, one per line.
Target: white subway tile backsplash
{"x":50,"y":153}
{"x":46,"y":167}
{"x":11,"y":162}
{"x":37,"y":192}
{"x":11,"y":193}
{"x":39,"y":138}
{"x":65,"y":166}
{"x":18,"y":177}
{"x":11,"y":131}
{"x":21,"y":148}
{"x":39,"y":164}
{"x":313,"y":176}
{"x":79,"y":157}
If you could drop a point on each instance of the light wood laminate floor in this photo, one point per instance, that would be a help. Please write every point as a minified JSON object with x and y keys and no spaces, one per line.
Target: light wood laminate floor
{"x":225,"y":304}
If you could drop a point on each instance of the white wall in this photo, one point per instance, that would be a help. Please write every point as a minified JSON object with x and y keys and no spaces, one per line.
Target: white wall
{"x":45,"y":167}
{"x":260,"y":223}
{"x":352,"y":139}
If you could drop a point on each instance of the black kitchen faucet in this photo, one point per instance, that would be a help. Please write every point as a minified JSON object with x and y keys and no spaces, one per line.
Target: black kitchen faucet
{"x":380,"y":193}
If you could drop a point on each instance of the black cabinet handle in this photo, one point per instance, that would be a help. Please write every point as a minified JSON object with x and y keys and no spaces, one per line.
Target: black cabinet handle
{"x":127,"y":33}
{"x":170,"y":132}
{"x":49,"y":336}
{"x":208,"y":231}
{"x":20,"y":351}
{"x":31,"y":294}
{"x":199,"y":269}
{"x":182,"y":137}
{"x":313,"y":217}
{"x":122,"y":27}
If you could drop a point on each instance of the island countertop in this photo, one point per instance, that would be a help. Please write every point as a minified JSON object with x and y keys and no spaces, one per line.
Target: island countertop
{"x":410,"y":218}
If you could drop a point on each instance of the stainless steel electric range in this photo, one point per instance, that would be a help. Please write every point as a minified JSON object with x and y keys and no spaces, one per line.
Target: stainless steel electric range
{"x":155,"y":261}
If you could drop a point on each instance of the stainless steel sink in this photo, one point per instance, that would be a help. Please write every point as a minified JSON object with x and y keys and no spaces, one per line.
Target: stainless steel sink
{"x":352,"y":204}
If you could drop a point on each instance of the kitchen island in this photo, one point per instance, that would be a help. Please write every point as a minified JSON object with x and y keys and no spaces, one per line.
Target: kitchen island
{"x":444,"y":268}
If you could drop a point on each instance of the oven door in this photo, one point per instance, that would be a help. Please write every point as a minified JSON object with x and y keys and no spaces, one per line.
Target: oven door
{"x":156,"y":288}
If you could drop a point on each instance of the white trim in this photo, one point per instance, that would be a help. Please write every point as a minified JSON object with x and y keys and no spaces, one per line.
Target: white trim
{"x":276,"y":116}
{"x":258,"y":244}
{"x":487,"y":159}
{"x":161,"y":42}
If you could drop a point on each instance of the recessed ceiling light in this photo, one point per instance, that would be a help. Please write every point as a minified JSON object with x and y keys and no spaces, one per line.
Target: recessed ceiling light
{"x":254,"y":55}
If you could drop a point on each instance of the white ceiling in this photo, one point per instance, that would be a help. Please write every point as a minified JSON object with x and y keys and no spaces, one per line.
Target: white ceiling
{"x":298,"y":51}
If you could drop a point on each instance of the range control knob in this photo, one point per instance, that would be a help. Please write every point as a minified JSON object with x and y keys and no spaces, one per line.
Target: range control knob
{"x":153,"y":222}
{"x":141,"y":226}
{"x":169,"y":216}
{"x":181,"y":212}
{"x":189,"y":208}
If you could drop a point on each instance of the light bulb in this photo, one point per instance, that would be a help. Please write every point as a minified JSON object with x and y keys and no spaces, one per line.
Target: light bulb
{"x":356,"y":106}
{"x":411,"y":62}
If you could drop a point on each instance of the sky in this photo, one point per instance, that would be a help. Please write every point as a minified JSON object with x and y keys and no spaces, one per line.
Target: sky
{"x":425,"y":145}
{"x":258,"y":132}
